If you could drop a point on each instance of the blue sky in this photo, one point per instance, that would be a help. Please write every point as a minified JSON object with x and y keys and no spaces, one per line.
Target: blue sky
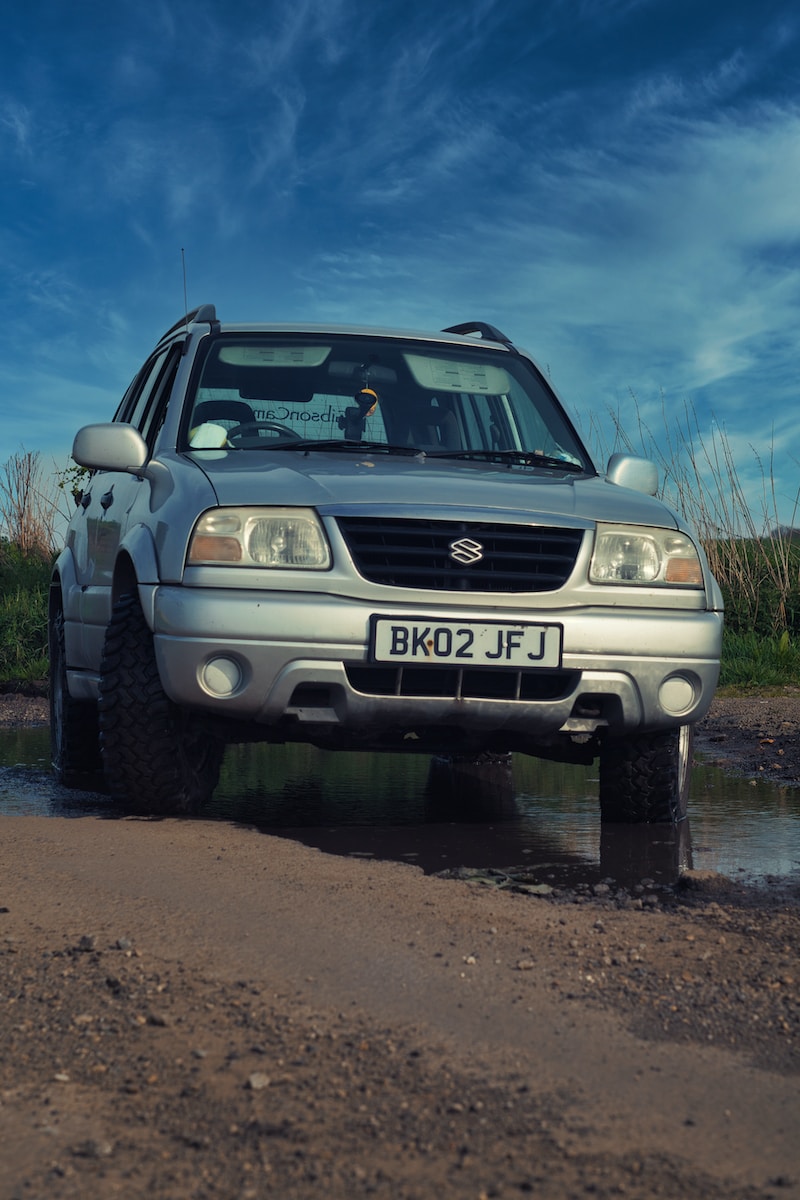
{"x":614,"y":183}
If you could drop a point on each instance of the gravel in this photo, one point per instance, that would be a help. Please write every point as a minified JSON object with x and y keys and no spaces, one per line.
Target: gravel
{"x":195,"y":1009}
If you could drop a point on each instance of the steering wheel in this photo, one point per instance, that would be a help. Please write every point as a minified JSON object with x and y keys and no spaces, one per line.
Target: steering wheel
{"x":247,"y":427}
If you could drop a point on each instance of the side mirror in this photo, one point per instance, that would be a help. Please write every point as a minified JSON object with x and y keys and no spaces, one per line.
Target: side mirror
{"x":639,"y":474}
{"x":110,"y":447}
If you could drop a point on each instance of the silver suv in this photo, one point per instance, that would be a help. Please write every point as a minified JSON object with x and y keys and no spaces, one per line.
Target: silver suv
{"x":369,"y":539}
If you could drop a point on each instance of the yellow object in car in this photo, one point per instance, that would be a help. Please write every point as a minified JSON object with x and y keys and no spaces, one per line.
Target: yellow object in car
{"x":208,"y":436}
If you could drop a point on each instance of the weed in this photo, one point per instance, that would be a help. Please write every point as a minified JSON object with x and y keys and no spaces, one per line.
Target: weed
{"x":754,"y":557}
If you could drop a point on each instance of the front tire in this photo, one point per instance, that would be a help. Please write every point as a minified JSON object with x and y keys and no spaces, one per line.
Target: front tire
{"x":156,"y":757}
{"x":644,"y":778}
{"x":74,"y":730}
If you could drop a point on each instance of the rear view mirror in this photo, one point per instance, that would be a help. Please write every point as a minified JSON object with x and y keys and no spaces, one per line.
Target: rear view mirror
{"x":356,"y":371}
{"x":113,"y":446}
{"x":639,"y":474}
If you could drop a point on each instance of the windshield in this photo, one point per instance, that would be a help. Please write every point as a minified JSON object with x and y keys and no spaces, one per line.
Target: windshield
{"x":278,"y":392}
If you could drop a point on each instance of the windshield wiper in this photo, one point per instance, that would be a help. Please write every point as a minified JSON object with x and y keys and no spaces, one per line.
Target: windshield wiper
{"x":523,"y":458}
{"x":307,"y":444}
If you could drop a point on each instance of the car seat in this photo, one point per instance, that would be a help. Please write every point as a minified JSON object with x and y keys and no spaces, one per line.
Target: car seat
{"x":222,"y":412}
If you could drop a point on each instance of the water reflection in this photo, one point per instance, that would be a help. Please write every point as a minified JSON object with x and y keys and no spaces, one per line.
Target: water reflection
{"x":538,"y":816}
{"x":439,"y":815}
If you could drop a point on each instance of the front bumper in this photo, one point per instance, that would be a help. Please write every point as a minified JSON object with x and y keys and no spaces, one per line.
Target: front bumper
{"x":295,"y":666}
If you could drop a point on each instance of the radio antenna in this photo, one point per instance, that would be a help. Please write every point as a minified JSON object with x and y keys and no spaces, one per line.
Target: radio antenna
{"x":183,"y":264}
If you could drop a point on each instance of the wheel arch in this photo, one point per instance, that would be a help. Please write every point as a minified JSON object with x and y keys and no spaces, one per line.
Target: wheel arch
{"x":64,"y":588}
{"x":64,"y":597}
{"x":136,"y":569}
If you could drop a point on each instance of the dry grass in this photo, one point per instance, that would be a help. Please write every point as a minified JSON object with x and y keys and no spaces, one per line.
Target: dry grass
{"x":754,"y":554}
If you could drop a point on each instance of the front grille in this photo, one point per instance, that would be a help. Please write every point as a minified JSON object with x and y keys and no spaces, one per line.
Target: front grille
{"x":395,"y":552}
{"x":453,"y":683}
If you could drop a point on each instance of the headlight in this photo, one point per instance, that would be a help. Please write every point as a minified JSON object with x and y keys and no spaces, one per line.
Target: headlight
{"x":260,"y":537}
{"x":638,"y":557}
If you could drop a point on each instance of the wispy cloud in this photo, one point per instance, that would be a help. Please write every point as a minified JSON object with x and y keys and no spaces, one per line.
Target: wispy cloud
{"x":615,"y":189}
{"x":15,"y":124}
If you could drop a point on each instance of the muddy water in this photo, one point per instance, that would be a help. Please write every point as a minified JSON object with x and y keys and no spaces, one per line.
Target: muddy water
{"x":532,"y":817}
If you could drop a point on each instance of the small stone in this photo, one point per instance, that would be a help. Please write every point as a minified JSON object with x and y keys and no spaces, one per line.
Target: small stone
{"x":258,"y":1081}
{"x":534,"y":889}
{"x":158,"y":1018}
{"x":93,"y":1148}
{"x":704,"y":881}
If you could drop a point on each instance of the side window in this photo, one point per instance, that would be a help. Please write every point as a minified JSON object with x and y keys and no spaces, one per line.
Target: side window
{"x":127,"y":400}
{"x":144,"y":403}
{"x":530,"y":424}
{"x":139,"y":389}
{"x":485,"y":422}
{"x":150,"y":377}
{"x":156,"y":406}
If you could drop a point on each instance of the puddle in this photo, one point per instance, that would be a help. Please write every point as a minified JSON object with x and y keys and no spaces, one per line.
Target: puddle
{"x":533,"y":817}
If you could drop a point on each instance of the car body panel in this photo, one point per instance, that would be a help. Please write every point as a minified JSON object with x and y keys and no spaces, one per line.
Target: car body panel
{"x":321,"y":479}
{"x":323,"y":633}
{"x":281,"y":653}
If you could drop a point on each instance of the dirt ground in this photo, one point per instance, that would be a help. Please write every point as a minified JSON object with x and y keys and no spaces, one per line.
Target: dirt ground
{"x":195,"y":1009}
{"x":757,"y":736}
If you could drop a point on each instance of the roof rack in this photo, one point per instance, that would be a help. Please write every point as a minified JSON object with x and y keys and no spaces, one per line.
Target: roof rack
{"x":482,"y":329}
{"x":206,"y":312}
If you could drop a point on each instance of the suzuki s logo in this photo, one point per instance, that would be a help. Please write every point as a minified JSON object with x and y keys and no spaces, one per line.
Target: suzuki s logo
{"x":466,"y":551}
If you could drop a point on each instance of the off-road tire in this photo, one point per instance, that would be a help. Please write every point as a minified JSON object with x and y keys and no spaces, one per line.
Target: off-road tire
{"x":156,"y":756}
{"x":644,"y":778}
{"x":74,"y":729}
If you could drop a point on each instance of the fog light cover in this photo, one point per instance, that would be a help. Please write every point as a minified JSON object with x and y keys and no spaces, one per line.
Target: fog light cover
{"x":221,"y":676}
{"x":676,"y":695}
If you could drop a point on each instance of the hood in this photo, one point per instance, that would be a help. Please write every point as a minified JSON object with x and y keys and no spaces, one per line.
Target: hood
{"x":333,"y":482}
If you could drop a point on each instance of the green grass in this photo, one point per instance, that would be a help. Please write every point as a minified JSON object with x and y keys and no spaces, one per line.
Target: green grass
{"x":760,"y":581}
{"x":24,"y":585}
{"x":752,"y":662}
{"x":23,"y":635}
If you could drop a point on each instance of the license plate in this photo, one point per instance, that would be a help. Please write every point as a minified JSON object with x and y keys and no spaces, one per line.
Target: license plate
{"x":466,"y":643}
